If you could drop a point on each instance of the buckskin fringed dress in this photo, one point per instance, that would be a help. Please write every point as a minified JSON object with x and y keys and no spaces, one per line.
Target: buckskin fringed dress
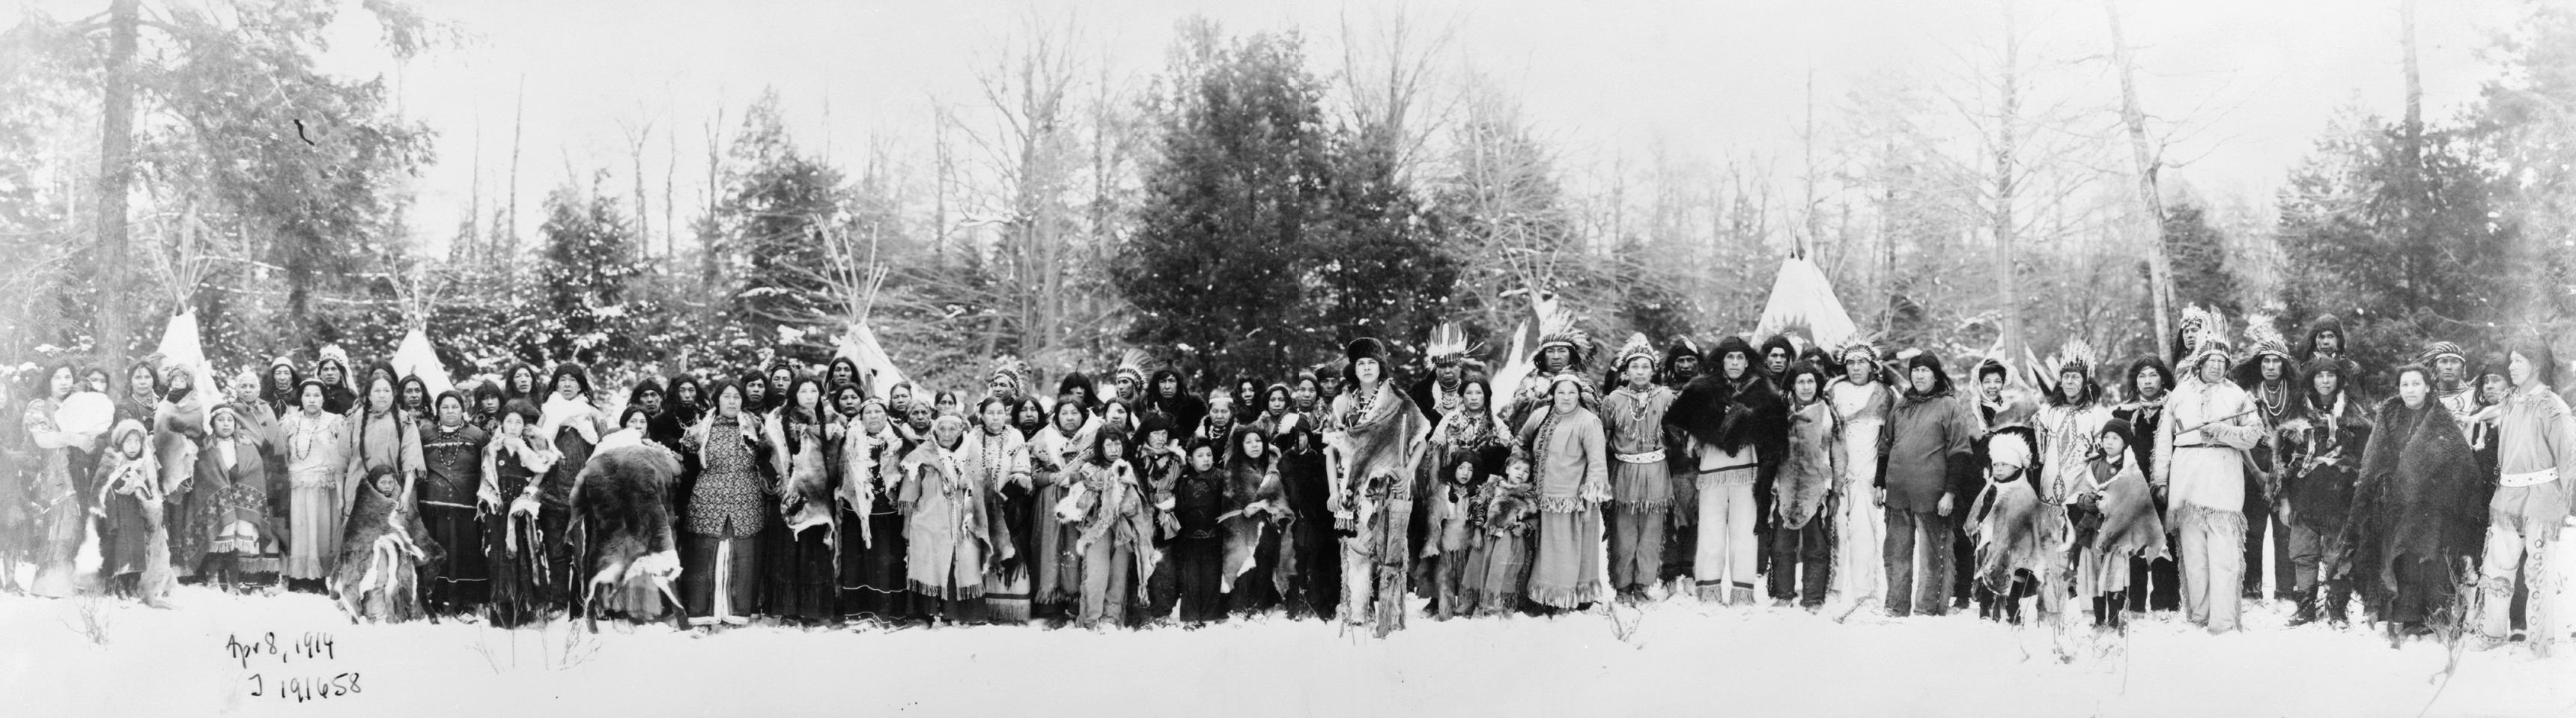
{"x":947,"y":534}
{"x":1565,"y":452}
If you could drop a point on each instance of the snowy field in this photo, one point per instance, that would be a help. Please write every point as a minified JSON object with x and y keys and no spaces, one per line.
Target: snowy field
{"x":1682,"y":658}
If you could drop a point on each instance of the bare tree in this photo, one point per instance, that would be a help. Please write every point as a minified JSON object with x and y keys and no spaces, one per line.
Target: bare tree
{"x":2148,"y":227}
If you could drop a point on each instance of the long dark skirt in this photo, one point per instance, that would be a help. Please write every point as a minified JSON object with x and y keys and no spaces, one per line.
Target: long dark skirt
{"x":512,"y":574}
{"x":456,"y":582}
{"x":1197,"y":566}
{"x":872,"y":567}
{"x":1315,"y":588}
{"x":802,"y":582}
{"x":713,"y":564}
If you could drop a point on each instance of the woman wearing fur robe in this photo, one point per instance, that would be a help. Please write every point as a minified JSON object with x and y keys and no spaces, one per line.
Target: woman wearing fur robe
{"x":2418,"y":513}
{"x":1377,"y":437}
{"x":2323,"y":449}
{"x":947,"y":530}
{"x":384,"y":543}
{"x":799,"y":583}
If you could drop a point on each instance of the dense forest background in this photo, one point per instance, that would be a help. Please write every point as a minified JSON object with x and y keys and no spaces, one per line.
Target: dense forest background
{"x":1259,"y":200}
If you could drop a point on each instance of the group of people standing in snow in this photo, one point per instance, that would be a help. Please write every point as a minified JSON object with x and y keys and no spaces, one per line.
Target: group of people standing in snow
{"x":1845,"y":479}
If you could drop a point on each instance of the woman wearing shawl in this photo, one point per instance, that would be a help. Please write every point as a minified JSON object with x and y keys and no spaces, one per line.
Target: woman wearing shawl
{"x":994,"y":456}
{"x":1055,"y":453}
{"x":872,"y":529}
{"x":506,"y":502}
{"x":799,"y":577}
{"x":232,"y":478}
{"x":1375,"y":442}
{"x":947,"y":532}
{"x":59,"y":518}
{"x":2418,"y":513}
{"x":570,"y":418}
{"x":137,"y":505}
{"x":1110,"y":509}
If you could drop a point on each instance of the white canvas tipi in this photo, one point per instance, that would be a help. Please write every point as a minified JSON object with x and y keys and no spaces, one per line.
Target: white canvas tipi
{"x":1803,"y":302}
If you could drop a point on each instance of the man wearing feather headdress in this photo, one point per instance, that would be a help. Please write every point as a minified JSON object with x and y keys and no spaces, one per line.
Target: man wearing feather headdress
{"x":2069,"y":431}
{"x":1127,"y":382}
{"x":2266,"y":376}
{"x":1437,"y":395}
{"x":2201,"y":453}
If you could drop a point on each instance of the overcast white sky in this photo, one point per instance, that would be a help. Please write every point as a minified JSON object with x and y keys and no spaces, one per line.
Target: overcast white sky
{"x":1713,"y":78}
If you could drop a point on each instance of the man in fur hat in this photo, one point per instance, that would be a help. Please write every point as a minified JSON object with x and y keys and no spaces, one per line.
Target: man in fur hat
{"x":1372,"y":448}
{"x":2325,"y":340}
{"x":1737,"y":425}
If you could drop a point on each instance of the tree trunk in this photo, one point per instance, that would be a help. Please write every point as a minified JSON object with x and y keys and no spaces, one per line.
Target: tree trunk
{"x":115,"y":178}
{"x":2160,"y":289}
{"x":2006,"y":134}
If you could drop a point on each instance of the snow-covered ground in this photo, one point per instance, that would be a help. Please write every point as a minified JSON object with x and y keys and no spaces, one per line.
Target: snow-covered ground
{"x":1682,"y":658}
